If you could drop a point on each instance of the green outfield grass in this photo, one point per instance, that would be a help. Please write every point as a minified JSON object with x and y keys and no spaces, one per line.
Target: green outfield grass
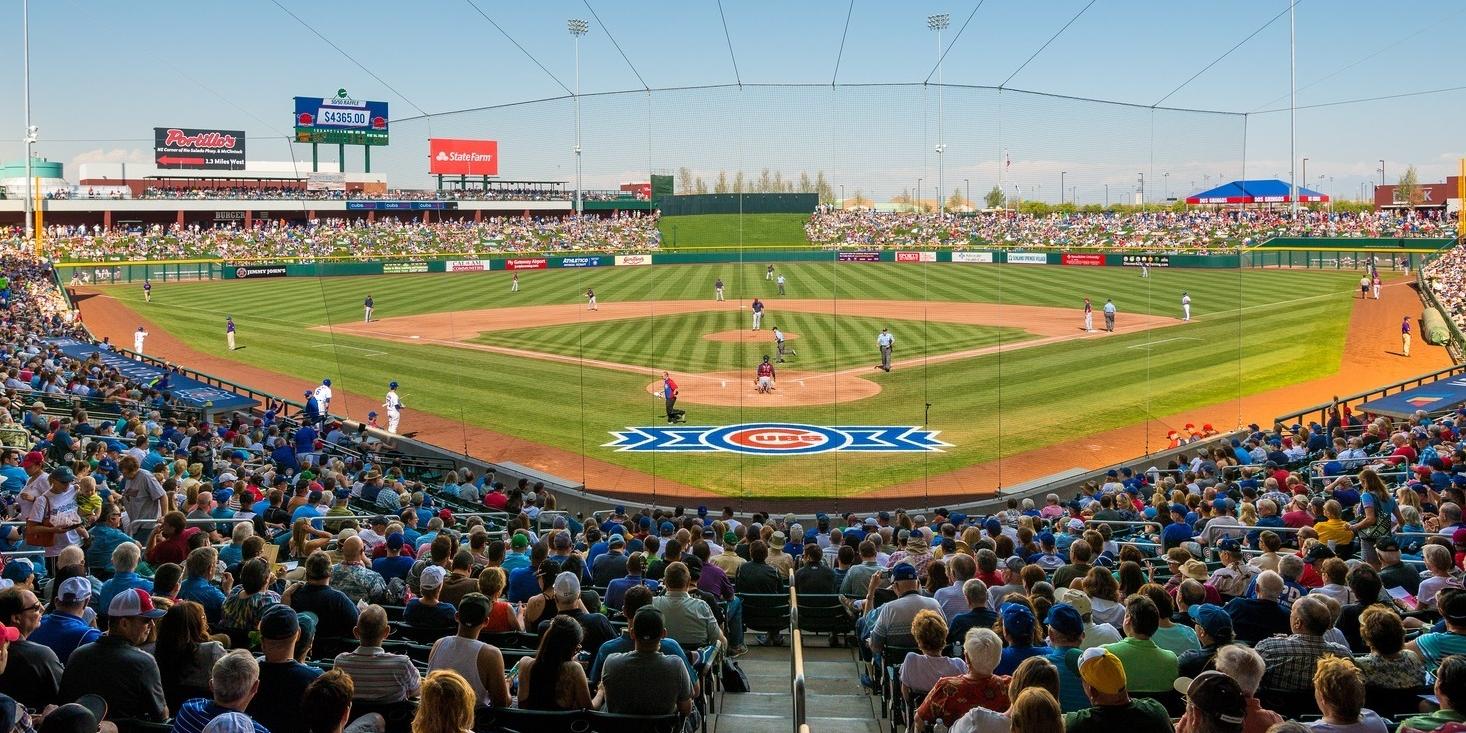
{"x":732,"y":230}
{"x":1255,"y":330}
{"x":676,"y":342}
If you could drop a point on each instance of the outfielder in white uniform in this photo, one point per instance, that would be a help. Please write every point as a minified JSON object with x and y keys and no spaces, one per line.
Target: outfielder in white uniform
{"x":1144,"y":269}
{"x":394,"y":408}
{"x":1185,"y":306}
{"x":323,"y":397}
{"x":137,"y":339}
{"x":514,"y":286}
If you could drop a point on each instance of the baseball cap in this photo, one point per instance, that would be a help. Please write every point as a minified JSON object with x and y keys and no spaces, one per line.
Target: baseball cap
{"x":1102,"y":670}
{"x":377,"y":521}
{"x":1065,"y":619}
{"x":1017,"y":620}
{"x":519,"y":542}
{"x":1075,"y":598}
{"x":730,"y":538}
{"x":473,"y":609}
{"x":230,"y":723}
{"x":1179,"y":509}
{"x":1459,"y":536}
{"x":1216,"y":695}
{"x":1046,"y":539}
{"x":308,"y":621}
{"x":1229,"y":544}
{"x":648,"y":625}
{"x":1319,"y":552}
{"x":1014,"y":563}
{"x":133,"y":602}
{"x":1211,"y":617}
{"x":903,"y":571}
{"x":1387,"y":544}
{"x":83,"y":716}
{"x":395,"y":541}
{"x":1178,"y":555}
{"x":567,"y":586}
{"x":616,"y":541}
{"x":74,"y":590}
{"x":33,"y":458}
{"x":666,"y":528}
{"x":992,"y":524}
{"x":1076,"y":524}
{"x":432,"y":577}
{"x":63,"y":474}
{"x":279,"y":621}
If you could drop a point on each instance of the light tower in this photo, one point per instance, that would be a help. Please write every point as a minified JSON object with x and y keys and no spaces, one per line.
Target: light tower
{"x":577,"y":28}
{"x":938,"y":23}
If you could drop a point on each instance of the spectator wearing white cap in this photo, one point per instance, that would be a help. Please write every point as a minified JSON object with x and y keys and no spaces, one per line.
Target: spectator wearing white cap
{"x":63,"y":628}
{"x":427,"y":611}
{"x":115,"y":668}
{"x":595,"y":626}
{"x":234,"y":682}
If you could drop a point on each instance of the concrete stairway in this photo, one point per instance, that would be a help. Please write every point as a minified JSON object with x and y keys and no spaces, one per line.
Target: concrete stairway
{"x":835,"y":700}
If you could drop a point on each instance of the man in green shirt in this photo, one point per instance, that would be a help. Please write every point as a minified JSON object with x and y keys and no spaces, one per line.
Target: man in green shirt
{"x":1148,"y":668}
{"x":1450,"y":686}
{"x":1112,"y":709}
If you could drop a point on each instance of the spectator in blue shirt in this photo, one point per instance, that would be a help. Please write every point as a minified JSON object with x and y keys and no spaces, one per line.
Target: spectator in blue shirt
{"x":524,"y":583}
{"x":197,"y":585}
{"x":311,"y":510}
{"x":63,"y":629}
{"x":14,"y":476}
{"x":124,"y":575}
{"x":106,"y":536}
{"x":395,"y":564}
{"x":1178,"y":531}
{"x":616,"y":589}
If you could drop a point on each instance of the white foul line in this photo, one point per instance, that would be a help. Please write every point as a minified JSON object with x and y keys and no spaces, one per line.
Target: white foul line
{"x":1153,"y":343}
{"x":366,"y":352}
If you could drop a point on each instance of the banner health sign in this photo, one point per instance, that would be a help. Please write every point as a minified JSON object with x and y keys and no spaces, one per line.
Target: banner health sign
{"x":190,"y":392}
{"x":778,"y":439}
{"x":206,"y":150}
{"x":340,"y":120}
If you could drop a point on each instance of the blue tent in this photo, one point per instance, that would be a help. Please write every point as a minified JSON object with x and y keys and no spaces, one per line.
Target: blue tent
{"x":1266,"y":191}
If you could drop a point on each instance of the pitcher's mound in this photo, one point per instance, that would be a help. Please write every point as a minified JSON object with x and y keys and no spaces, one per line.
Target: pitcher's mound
{"x":745,"y":336}
{"x":793,"y":389}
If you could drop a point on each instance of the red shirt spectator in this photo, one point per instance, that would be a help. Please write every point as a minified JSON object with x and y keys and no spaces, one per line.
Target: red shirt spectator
{"x":174,"y":550}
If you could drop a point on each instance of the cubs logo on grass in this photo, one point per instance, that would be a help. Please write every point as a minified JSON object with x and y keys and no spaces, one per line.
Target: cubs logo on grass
{"x":777,"y":439}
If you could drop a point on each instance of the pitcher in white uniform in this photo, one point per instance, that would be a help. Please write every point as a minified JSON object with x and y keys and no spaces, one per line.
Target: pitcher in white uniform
{"x":1185,"y":306}
{"x":137,"y":339}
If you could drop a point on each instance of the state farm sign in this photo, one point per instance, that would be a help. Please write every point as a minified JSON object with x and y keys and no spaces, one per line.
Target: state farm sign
{"x":450,"y":156}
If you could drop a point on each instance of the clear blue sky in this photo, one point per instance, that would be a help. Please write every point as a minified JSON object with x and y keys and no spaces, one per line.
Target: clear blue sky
{"x":105,"y":73}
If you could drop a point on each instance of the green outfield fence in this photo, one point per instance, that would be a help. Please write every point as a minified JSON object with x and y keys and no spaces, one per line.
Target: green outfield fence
{"x":1327,"y":254}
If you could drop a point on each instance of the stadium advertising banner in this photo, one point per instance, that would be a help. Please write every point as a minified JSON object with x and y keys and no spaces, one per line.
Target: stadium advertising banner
{"x":399,"y":268}
{"x":1149,"y":260}
{"x":973,"y":257}
{"x":1084,"y":260}
{"x":244,"y":272}
{"x":633,"y":260}
{"x":401,"y":205}
{"x":325,"y":182}
{"x":1027,"y":258}
{"x":916,"y":256}
{"x":858,"y":257}
{"x":467,"y":266}
{"x":591,"y":261}
{"x":340,"y":120}
{"x":527,"y":263}
{"x":454,"y":157}
{"x":191,"y":392}
{"x":186,"y":148}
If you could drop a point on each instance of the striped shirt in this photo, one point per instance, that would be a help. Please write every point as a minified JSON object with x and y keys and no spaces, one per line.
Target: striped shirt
{"x":380,"y":677}
{"x":196,"y":713}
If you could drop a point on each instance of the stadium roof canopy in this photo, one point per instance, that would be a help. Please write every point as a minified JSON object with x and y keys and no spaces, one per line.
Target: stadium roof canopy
{"x":1266,"y":191}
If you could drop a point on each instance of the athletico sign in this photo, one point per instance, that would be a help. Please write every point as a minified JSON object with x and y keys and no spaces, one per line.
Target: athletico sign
{"x":209,"y":150}
{"x":777,"y":439}
{"x":449,"y":156}
{"x":466,"y":265}
{"x":633,"y":260}
{"x":534,"y":263}
{"x":1086,"y":260}
{"x":916,"y":256}
{"x":858,"y":257}
{"x":592,"y":261}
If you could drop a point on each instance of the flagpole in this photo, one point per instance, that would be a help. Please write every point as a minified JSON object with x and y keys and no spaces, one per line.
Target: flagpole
{"x":1292,"y":109}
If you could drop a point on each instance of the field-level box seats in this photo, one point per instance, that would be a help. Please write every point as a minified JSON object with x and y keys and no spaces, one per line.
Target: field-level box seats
{"x":766,"y":612}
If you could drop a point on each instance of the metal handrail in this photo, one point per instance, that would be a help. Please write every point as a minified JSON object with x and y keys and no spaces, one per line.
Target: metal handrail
{"x":796,"y":663}
{"x":1321,"y":409}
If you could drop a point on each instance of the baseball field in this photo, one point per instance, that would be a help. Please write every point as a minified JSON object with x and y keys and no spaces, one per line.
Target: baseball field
{"x":993,"y":358}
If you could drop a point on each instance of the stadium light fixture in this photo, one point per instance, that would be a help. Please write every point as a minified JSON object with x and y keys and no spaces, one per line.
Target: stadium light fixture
{"x":938,"y":23}
{"x":1381,"y":171}
{"x":577,"y":29}
{"x":30,"y":130}
{"x":1061,"y":186}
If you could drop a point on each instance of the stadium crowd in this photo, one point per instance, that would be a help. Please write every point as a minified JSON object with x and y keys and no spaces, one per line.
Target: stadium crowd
{"x":386,"y":237}
{"x":1160,"y":231}
{"x":256,"y":573}
{"x":1446,"y":278}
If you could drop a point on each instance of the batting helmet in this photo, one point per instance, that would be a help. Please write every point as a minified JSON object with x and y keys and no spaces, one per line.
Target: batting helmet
{"x":326,"y":382}
{"x":391,"y":385}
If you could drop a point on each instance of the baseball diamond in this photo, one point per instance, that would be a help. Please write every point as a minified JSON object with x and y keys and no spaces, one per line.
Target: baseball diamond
{"x":998,"y":350}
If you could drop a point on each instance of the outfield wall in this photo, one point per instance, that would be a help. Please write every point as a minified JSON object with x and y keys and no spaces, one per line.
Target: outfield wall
{"x":1337,"y":258}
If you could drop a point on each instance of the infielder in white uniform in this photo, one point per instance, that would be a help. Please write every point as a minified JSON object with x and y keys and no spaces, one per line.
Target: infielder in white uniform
{"x":394,"y":408}
{"x":1185,"y":306}
{"x":323,"y":397}
{"x":137,"y":339}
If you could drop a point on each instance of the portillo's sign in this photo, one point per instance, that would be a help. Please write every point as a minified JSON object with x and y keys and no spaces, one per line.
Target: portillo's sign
{"x":186,"y":148}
